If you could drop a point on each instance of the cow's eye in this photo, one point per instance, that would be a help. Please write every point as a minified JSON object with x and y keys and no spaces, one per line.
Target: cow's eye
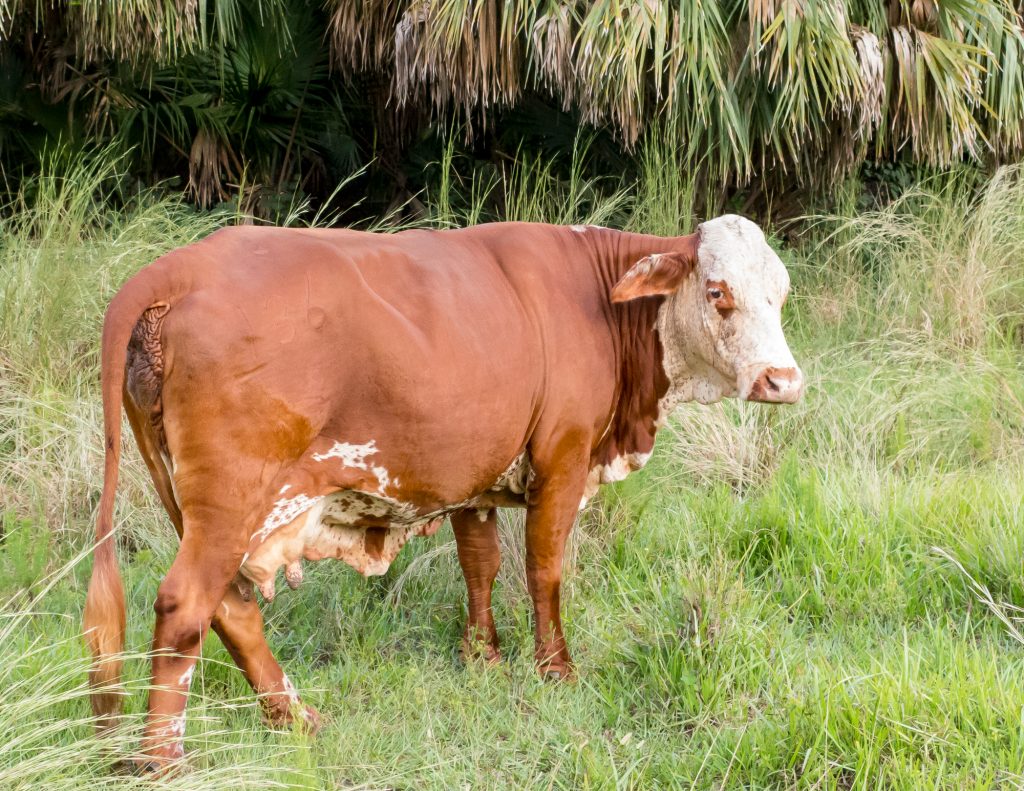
{"x":715,"y":293}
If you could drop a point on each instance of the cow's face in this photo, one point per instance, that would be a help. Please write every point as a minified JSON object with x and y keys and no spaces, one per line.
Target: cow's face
{"x":721,"y":323}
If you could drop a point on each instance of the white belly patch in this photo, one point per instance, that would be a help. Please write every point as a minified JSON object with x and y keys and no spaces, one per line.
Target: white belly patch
{"x":366,"y":529}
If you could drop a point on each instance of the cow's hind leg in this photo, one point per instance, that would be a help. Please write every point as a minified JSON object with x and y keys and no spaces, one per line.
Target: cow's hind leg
{"x":239,"y":625}
{"x":198,"y":580}
{"x":480,"y":557}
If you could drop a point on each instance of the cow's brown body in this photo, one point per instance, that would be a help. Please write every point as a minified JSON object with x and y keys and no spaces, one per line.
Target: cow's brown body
{"x":301,"y":394}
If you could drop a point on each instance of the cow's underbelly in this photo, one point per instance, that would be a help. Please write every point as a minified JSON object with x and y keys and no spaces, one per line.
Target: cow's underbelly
{"x":365,"y":528}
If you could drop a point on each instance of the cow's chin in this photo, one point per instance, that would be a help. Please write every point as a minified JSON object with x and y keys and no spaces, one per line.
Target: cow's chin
{"x":710,"y":386}
{"x":706,"y":392}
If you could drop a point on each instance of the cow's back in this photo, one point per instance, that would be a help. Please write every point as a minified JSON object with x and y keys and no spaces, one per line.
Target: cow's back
{"x":416,"y":342}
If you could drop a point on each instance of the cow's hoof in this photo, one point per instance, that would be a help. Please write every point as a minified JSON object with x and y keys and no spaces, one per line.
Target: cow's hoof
{"x":479,"y":651}
{"x":151,"y":767}
{"x":305,"y":719}
{"x":309,"y":721}
{"x":557,"y":673}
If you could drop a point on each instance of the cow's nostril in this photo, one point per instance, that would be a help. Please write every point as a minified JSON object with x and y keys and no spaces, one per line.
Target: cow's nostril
{"x":776,"y":386}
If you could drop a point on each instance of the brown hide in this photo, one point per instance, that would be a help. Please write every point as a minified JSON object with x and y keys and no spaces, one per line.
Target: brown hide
{"x":301,"y":394}
{"x":451,"y":351}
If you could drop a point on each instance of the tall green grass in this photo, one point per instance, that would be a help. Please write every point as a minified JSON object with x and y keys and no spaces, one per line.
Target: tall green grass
{"x":823,"y":596}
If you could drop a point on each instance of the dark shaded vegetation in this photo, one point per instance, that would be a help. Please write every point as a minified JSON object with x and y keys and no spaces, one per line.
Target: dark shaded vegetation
{"x":342,"y":106}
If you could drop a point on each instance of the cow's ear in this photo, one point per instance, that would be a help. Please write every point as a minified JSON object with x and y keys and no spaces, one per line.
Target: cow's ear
{"x":660,"y":273}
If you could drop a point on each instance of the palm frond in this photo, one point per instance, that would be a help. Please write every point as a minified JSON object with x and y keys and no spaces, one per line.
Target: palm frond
{"x":801,"y":91}
{"x":137,"y":31}
{"x":937,"y":89}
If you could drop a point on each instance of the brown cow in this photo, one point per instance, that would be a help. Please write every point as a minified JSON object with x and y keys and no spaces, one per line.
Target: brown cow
{"x":305,"y":394}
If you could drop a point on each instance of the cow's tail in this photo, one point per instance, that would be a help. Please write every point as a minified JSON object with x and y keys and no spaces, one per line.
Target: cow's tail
{"x":104,"y":618}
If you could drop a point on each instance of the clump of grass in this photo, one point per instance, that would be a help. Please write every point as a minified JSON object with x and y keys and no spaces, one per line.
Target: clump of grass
{"x":524,"y":189}
{"x":666,"y":192}
{"x":65,"y":249}
{"x":942,"y":259}
{"x":47,"y":732}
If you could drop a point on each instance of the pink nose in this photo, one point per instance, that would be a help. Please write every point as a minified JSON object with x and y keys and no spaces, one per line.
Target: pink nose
{"x":777,"y":386}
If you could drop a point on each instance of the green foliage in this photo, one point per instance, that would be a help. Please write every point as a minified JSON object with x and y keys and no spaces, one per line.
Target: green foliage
{"x":27,"y":548}
{"x":274,"y":102}
{"x":241,"y":107}
{"x":527,"y":189}
{"x":756,"y":86}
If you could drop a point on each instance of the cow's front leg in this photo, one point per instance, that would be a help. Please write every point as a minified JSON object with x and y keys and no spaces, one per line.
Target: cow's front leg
{"x":554,"y":501}
{"x":196,"y":583}
{"x":239,"y":625}
{"x":479,"y":557}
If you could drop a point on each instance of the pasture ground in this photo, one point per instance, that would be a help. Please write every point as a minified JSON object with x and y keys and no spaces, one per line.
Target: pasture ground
{"x":823,"y":596}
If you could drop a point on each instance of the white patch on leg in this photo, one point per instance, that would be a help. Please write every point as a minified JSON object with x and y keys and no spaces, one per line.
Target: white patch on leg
{"x":186,"y":678}
{"x":173,"y":731}
{"x":289,"y":689}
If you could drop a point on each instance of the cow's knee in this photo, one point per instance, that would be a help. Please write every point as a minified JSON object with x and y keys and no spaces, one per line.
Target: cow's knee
{"x":181,"y":621}
{"x":168,"y":601}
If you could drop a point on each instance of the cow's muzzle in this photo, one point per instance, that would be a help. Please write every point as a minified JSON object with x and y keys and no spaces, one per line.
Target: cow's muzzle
{"x":777,"y":386}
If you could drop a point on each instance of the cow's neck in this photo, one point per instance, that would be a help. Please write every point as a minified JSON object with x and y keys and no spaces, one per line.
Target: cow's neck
{"x":640,"y":384}
{"x":641,"y":380}
{"x":653,"y":376}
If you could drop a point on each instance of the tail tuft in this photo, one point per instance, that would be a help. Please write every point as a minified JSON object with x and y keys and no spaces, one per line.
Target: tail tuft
{"x":104,"y":625}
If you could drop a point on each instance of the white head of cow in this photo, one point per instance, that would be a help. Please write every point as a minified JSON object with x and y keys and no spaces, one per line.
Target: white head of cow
{"x":721,"y":323}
